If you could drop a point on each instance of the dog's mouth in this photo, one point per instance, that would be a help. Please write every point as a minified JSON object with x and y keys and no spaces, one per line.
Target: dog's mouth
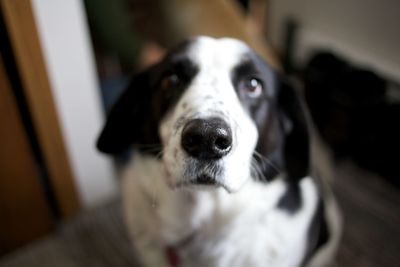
{"x":202,"y":181}
{"x":200,"y":175}
{"x":205,"y":179}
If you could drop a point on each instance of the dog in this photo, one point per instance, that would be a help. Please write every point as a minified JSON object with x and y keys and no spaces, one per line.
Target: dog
{"x":221,"y":175}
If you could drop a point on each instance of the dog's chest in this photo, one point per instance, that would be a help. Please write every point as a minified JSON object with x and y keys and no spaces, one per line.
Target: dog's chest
{"x":214,"y":228}
{"x":250,"y":232}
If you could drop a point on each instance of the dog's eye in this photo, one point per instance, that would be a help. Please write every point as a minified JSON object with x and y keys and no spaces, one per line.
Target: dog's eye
{"x":252,"y":87}
{"x":170,"y":81}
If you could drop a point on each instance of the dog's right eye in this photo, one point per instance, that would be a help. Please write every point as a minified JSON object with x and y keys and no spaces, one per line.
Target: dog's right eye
{"x":252,"y":87}
{"x":170,"y":81}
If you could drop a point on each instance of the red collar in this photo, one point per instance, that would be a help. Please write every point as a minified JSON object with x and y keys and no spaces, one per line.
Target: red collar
{"x":171,"y":251}
{"x":172,"y":256}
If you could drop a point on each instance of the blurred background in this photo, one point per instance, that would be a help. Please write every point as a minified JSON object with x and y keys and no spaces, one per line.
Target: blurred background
{"x":63,"y":63}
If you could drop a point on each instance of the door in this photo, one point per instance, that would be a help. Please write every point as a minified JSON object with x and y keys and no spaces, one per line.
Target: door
{"x":24,"y":211}
{"x":37,"y":187}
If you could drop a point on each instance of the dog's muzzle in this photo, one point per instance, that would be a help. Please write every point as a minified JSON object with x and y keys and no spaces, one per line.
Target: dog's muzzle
{"x":207,"y":139}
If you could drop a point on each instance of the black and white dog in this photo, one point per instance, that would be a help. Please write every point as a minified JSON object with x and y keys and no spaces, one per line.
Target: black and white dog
{"x":222,"y":172}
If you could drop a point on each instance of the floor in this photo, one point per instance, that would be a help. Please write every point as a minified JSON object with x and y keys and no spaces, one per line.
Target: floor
{"x":98,"y":238}
{"x":95,"y":238}
{"x":371,"y":209}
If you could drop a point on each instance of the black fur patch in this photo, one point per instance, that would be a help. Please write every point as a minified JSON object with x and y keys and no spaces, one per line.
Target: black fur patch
{"x":279,"y":148}
{"x":263,"y":110}
{"x":291,"y":200}
{"x":285,"y":149}
{"x":296,"y":148}
{"x":135,"y":117}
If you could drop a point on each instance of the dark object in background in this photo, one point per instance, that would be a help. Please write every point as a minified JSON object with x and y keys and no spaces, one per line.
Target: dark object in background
{"x":351,"y":112}
{"x":290,"y":38}
{"x":245,"y":4}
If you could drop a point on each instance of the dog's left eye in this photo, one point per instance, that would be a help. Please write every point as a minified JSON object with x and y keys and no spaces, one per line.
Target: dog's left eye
{"x":253,"y":87}
{"x":170,"y":81}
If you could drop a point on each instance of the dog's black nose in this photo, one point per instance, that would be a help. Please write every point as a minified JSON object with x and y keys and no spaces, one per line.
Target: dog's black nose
{"x":207,"y":138}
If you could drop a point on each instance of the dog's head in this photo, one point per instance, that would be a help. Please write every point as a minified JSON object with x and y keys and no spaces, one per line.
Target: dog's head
{"x":218,"y":113}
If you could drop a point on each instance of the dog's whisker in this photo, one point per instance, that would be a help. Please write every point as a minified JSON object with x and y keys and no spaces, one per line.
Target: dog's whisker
{"x":256,"y":171}
{"x":253,"y":170}
{"x":266,"y":160}
{"x":160,"y":154}
{"x":150,"y":148}
{"x":260,"y":163}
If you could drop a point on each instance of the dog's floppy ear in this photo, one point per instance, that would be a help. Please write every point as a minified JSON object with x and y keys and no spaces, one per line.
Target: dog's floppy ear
{"x":296,"y":144}
{"x":126,"y":122}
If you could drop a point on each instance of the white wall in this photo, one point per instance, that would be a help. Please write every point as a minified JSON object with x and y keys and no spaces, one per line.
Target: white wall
{"x":365,"y":30}
{"x":65,"y":40}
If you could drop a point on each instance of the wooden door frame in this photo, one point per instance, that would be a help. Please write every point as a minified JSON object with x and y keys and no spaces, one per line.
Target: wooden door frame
{"x":20,"y":22}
